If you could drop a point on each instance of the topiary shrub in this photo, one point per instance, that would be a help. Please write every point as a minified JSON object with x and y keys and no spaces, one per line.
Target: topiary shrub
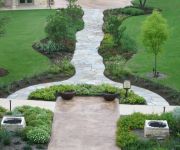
{"x":38,"y":136}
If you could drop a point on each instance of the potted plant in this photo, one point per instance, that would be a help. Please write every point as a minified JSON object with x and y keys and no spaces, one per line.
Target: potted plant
{"x":110,"y":93}
{"x":67,"y":92}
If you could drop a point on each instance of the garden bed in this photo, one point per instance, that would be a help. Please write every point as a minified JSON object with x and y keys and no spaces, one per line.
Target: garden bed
{"x":36,"y":134}
{"x":129,"y":135}
{"x":61,"y":67}
{"x":115,"y":56}
{"x":171,"y":95}
{"x":50,"y":94}
{"x":3,"y":72}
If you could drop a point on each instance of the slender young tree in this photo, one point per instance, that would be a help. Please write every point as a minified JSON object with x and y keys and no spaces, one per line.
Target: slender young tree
{"x":154,"y":34}
{"x":142,"y":3}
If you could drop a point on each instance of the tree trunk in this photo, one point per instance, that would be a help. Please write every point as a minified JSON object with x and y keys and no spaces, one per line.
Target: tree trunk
{"x":144,"y":3}
{"x":140,"y":3}
{"x":155,"y":65}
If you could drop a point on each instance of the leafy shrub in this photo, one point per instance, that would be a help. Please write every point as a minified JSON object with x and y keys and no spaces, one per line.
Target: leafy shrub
{"x":50,"y":47}
{"x":27,"y":147}
{"x":61,"y":29}
{"x":38,"y":136}
{"x":58,"y":27}
{"x":113,"y":27}
{"x":108,"y":42}
{"x":132,"y":11}
{"x":176,"y":116}
{"x":128,"y":44}
{"x":131,"y":99}
{"x":123,"y":139}
{"x":2,"y":111}
{"x":115,"y":66}
{"x":5,"y":137}
{"x":63,"y":66}
{"x":109,"y":89}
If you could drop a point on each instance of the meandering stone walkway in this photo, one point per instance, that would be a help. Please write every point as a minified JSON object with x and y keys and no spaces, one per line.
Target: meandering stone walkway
{"x":89,"y":64}
{"x":84,"y":124}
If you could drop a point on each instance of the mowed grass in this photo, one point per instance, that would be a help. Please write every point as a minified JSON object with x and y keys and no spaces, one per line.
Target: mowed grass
{"x":169,"y":60}
{"x":16,"y":52}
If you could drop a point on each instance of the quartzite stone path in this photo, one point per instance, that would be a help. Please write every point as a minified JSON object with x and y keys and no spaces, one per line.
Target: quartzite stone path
{"x":89,"y":64}
{"x":84,"y":124}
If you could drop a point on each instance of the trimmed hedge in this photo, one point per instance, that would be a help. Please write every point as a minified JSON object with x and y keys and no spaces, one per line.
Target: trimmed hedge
{"x":49,"y":94}
{"x":128,"y":140}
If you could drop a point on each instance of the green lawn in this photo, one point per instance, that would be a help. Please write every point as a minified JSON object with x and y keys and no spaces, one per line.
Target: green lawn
{"x":168,"y":61}
{"x":16,"y":52}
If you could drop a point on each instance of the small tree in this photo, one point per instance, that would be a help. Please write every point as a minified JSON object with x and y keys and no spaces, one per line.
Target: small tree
{"x":142,"y":3}
{"x":58,"y":28}
{"x":154,"y":34}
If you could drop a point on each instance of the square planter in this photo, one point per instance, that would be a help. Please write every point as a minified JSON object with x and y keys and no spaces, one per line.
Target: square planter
{"x":156,"y":128}
{"x":11,"y":123}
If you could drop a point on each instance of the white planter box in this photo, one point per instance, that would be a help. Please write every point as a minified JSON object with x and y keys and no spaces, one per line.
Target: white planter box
{"x":153,"y":131}
{"x":9,"y":124}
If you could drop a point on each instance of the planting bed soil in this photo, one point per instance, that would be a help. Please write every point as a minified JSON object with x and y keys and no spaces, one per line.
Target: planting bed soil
{"x":171,"y":95}
{"x":3,"y":72}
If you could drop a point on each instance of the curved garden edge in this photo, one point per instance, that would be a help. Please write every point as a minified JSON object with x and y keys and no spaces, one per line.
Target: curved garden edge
{"x":171,"y":95}
{"x":61,"y":68}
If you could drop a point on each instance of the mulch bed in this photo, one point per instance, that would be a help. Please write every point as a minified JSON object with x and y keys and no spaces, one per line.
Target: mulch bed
{"x":171,"y":95}
{"x":3,"y":72}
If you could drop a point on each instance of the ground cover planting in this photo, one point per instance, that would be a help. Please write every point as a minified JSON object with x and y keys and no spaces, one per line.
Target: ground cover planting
{"x":36,"y":133}
{"x":49,"y":94}
{"x":129,"y":135}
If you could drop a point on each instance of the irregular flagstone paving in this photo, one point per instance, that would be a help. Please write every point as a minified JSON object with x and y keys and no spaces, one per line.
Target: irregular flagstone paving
{"x":89,"y":64}
{"x":84,"y":123}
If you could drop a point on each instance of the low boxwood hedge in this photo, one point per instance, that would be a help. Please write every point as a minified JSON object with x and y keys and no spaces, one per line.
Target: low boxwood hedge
{"x":49,"y":94}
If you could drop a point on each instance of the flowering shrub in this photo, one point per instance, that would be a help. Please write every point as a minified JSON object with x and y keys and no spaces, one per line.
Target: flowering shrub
{"x":38,"y":136}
